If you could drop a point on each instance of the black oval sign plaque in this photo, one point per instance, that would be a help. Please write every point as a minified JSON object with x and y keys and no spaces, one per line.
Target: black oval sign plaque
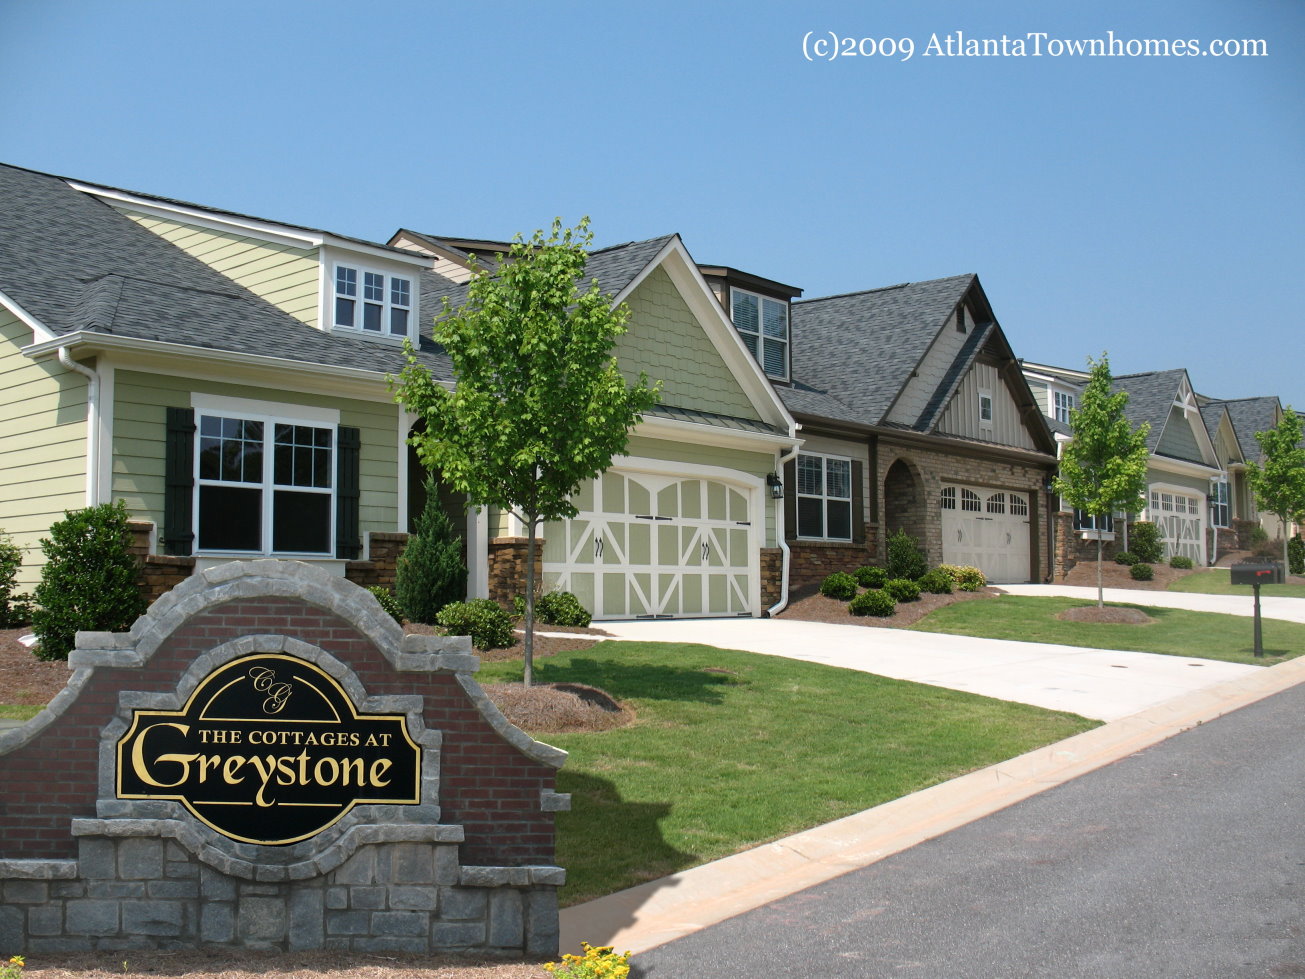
{"x":269,"y":749}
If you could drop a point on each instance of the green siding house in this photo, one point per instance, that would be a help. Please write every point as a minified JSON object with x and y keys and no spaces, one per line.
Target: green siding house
{"x":225,"y":376}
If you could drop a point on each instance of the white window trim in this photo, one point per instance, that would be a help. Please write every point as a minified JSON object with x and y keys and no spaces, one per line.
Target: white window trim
{"x":824,"y":496}
{"x":1056,"y":406}
{"x":1215,"y":503}
{"x":270,"y":413}
{"x":362,"y":268}
{"x":761,"y":330}
{"x":985,"y":393}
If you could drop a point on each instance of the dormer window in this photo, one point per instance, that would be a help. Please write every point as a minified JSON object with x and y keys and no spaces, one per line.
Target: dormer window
{"x":372,"y":302}
{"x":1064,"y":405}
{"x":762,"y":322}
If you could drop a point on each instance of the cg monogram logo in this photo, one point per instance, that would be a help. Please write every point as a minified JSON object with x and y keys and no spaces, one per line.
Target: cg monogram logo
{"x":277,"y":693}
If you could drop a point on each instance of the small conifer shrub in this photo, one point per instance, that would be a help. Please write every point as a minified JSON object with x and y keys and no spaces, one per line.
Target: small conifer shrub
{"x":430,"y":571}
{"x":1145,"y":541}
{"x":14,"y":610}
{"x":388,"y":602}
{"x":905,"y":559}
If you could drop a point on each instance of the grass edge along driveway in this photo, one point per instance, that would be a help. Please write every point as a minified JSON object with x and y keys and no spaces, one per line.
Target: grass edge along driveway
{"x":1217,"y":581}
{"x":1174,"y":632}
{"x":734,"y":749}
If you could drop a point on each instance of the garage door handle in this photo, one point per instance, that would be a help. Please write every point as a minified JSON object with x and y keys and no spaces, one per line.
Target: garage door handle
{"x":598,"y":547}
{"x":743,"y":523}
{"x":706,"y":551}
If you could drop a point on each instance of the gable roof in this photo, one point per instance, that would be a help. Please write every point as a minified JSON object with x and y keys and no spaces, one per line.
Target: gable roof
{"x":1251,"y":415}
{"x":1150,"y":396}
{"x":79,"y":267}
{"x":860,"y":348}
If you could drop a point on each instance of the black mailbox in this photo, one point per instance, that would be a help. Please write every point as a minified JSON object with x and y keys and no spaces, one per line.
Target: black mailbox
{"x":1257,"y":573}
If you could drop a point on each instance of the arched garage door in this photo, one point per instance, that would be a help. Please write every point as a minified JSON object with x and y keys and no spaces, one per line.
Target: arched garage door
{"x":647,"y":545}
{"x":988,"y":529}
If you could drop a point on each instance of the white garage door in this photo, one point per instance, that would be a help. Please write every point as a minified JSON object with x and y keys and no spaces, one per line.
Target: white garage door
{"x":1180,"y":518}
{"x":655,"y":546}
{"x":988,"y":529}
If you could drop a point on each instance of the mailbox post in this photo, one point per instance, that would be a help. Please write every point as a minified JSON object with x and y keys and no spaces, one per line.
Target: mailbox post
{"x":1255,"y":574}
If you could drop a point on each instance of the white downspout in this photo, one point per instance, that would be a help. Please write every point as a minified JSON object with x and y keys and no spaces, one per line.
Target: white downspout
{"x":779,"y":536}
{"x":92,"y":424}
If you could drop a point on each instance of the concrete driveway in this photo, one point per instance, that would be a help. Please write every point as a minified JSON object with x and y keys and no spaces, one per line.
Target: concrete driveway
{"x":1097,"y":683}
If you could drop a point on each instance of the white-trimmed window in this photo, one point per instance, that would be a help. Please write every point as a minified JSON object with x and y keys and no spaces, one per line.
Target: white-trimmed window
{"x":824,"y":497}
{"x":373,"y":302}
{"x":264,"y":483}
{"x":762,"y":322}
{"x":1220,"y":508}
{"x":1064,"y":405}
{"x":1102,"y":526}
{"x":985,"y":408}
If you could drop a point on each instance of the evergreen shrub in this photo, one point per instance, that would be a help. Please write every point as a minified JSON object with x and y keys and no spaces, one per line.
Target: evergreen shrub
{"x":388,"y":602}
{"x":484,"y":620}
{"x":1144,"y":541}
{"x":1125,"y":557}
{"x":873,"y":602}
{"x":555,"y":608}
{"x":1181,"y":561}
{"x":967,"y":577}
{"x":905,"y":559}
{"x":89,"y":579}
{"x":840,"y":585}
{"x":1141,"y":572}
{"x":430,"y":571}
{"x":902,"y":589}
{"x":1296,"y":555}
{"x":870,"y":577}
{"x":14,"y":609}
{"x":937,"y":582}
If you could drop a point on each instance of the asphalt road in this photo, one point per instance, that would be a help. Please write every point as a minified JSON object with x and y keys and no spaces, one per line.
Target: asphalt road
{"x":1184,"y":860}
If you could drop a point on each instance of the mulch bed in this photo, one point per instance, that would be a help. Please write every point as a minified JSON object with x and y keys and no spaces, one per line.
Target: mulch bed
{"x":1110,"y":614}
{"x":247,"y":964}
{"x":808,"y":605}
{"x":1118,"y":576}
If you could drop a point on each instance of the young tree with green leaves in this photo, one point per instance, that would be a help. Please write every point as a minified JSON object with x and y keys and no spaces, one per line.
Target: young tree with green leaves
{"x":1279,"y":482}
{"x":1103,"y":467}
{"x":540,"y":404}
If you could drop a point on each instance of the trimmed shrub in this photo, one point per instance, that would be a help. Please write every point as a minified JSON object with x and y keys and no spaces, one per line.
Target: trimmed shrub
{"x":14,"y":610}
{"x":1144,"y":541}
{"x":967,"y":577}
{"x":555,"y":608}
{"x":905,"y":559}
{"x":89,"y":579}
{"x":484,"y":620}
{"x":870,"y":576}
{"x":902,"y":590}
{"x":1259,"y":535}
{"x":430,"y":571}
{"x":1296,"y":555}
{"x":1126,"y":557}
{"x":388,"y":602}
{"x":937,"y":582}
{"x":1142,"y":572}
{"x":873,"y":602}
{"x":840,"y":585}
{"x":1180,"y":561}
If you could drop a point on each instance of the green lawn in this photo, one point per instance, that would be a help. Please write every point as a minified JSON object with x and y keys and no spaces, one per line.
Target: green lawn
{"x":19,"y":712}
{"x":732,"y":749}
{"x":1217,"y":581}
{"x":1206,"y":635}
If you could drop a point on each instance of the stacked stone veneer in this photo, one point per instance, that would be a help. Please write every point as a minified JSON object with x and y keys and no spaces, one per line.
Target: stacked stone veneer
{"x":468,"y":868}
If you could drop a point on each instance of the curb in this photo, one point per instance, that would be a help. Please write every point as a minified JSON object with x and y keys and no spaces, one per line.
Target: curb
{"x":651,"y":914}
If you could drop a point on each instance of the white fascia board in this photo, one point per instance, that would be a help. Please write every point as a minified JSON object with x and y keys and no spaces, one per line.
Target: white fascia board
{"x":725,"y":438}
{"x":401,"y":256}
{"x":275,"y":233}
{"x":1183,"y":467}
{"x":40,"y":333}
{"x":679,"y":265}
{"x":344,"y":381}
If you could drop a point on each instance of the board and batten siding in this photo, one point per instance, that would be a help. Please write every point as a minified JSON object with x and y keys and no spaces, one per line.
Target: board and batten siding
{"x":934,"y":366}
{"x":141,"y":401}
{"x":962,"y":415}
{"x":286,"y":277}
{"x":1192,"y":485}
{"x":1178,"y":440}
{"x":667,"y":341}
{"x":42,"y":446}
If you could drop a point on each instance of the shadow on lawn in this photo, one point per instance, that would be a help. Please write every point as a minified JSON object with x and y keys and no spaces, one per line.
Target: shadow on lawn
{"x":639,"y":681}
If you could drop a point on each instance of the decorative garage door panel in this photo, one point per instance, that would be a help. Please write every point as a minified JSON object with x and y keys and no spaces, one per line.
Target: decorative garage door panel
{"x":653,"y":546}
{"x":988,"y":529}
{"x":1181,"y":521}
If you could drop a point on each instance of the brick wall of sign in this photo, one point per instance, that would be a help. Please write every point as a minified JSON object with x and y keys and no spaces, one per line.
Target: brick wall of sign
{"x":471,"y":866}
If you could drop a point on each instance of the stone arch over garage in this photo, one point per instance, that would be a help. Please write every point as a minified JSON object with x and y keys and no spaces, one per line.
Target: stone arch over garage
{"x":906,"y":503}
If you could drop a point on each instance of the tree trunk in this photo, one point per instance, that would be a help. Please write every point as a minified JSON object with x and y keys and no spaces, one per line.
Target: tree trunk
{"x":1101,"y":601}
{"x":1286,"y":539}
{"x":529,"y":653}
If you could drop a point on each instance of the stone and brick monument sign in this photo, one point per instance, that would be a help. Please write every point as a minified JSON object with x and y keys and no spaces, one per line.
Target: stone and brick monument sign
{"x":265,"y":760}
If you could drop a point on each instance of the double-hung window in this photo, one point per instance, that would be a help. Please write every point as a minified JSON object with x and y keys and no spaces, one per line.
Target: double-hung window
{"x":1220,"y":509}
{"x":264,"y":485}
{"x":824,"y":497}
{"x":372,"y":302}
{"x":1064,"y":405}
{"x":762,"y":322}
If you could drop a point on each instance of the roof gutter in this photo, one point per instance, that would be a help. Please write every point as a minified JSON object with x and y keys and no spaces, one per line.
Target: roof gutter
{"x":782,"y":604}
{"x":92,"y":423}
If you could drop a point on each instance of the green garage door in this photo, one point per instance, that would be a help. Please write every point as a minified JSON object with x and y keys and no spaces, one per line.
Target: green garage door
{"x":655,"y":546}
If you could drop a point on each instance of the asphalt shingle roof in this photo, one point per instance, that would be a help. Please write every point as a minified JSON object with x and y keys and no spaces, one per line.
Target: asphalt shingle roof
{"x":858,"y":350}
{"x":1251,"y":415}
{"x":1150,"y":396}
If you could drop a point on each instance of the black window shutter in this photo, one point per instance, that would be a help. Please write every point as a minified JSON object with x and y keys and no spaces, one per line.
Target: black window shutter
{"x":348,"y":543}
{"x":858,"y":502}
{"x":179,"y":483}
{"x":790,"y":500}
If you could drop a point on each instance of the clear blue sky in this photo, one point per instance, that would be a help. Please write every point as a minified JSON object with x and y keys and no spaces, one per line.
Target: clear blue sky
{"x":1153,"y":207}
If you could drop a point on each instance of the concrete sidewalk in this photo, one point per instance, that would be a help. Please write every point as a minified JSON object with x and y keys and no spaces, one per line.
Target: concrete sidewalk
{"x":1289,"y":609}
{"x":660,"y":911}
{"x":1098,"y":683}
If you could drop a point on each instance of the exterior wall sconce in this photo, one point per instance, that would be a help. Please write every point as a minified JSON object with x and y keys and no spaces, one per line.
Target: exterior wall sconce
{"x":776,"y":486}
